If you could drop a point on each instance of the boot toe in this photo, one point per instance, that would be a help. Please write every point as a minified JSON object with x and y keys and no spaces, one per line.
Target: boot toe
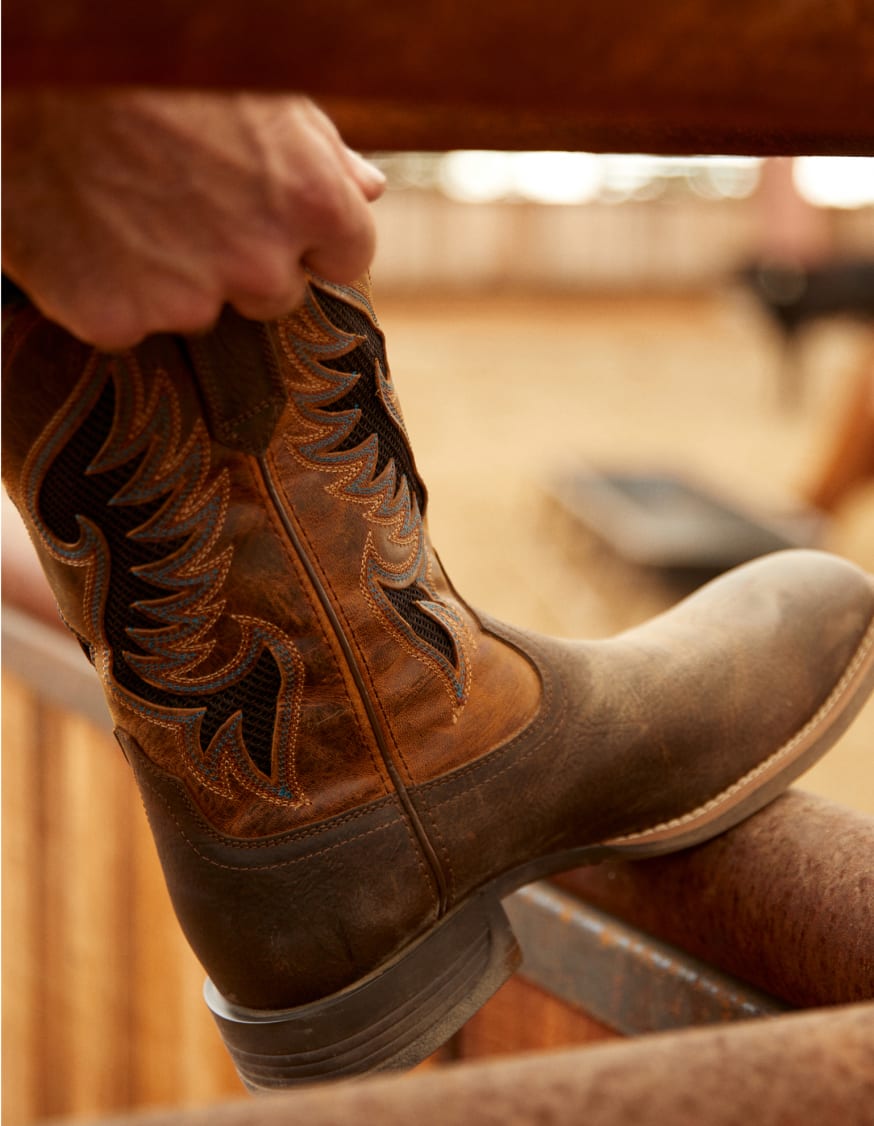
{"x":760,"y":673}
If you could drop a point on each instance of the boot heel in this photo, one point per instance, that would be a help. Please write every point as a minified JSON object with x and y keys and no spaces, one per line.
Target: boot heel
{"x":393,"y":1018}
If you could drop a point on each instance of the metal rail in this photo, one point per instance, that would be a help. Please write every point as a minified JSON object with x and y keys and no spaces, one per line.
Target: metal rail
{"x":618,"y":974}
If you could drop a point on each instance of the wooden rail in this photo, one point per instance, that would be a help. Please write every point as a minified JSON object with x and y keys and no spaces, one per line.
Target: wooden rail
{"x":668,"y":76}
{"x":798,"y":1069}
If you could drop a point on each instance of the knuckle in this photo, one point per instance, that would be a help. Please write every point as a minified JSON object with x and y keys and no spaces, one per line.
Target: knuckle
{"x":267,"y":308}
{"x":198,"y":311}
{"x":263,"y":272}
{"x":323,"y":201}
{"x":109,"y":326}
{"x":257,"y":262}
{"x":167,"y":310}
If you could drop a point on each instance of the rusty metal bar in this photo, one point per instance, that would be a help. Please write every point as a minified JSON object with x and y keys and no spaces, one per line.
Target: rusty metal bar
{"x":784,"y":901}
{"x":799,"y":1068}
{"x":616,"y":973}
{"x":660,"y":75}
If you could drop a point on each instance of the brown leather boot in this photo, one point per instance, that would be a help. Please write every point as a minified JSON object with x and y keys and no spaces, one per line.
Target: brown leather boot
{"x":346,"y":767}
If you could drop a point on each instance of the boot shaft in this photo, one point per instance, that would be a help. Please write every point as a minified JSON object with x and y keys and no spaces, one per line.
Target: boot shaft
{"x":234,"y":527}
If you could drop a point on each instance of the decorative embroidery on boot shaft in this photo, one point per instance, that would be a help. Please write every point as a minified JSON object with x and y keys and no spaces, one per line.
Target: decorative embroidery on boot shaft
{"x":357,"y":432}
{"x":115,"y":487}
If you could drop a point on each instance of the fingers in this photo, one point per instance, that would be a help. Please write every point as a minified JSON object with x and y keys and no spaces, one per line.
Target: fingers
{"x":340,"y":234}
{"x":128,"y":213}
{"x":342,"y":257}
{"x":346,"y":251}
{"x":113,"y":320}
{"x":369,"y":179}
{"x":333,"y":237}
{"x":367,"y":176}
{"x":271,"y":306}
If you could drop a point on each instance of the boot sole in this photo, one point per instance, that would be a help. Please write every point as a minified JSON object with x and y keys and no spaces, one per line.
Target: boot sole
{"x":405,"y":1010}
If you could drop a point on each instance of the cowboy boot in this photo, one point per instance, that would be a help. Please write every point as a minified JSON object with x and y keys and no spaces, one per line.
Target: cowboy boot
{"x":345,"y":766}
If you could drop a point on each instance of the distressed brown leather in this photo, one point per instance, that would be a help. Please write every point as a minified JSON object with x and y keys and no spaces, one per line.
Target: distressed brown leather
{"x":333,"y":748}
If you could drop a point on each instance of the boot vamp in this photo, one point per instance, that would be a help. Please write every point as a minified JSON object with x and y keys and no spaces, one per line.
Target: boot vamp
{"x":702,"y":695}
{"x":652,"y":725}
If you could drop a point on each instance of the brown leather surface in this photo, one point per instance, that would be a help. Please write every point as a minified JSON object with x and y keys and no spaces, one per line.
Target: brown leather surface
{"x":417,"y":707}
{"x":242,"y":412}
{"x":617,"y":750}
{"x":335,"y":763}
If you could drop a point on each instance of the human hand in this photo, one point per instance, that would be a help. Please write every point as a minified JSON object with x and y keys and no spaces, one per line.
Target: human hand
{"x":139,"y":211}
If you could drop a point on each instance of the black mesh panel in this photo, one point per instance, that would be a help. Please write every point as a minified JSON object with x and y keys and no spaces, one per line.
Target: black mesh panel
{"x":67,"y":492}
{"x":374,"y":418}
{"x":364,"y":395}
{"x":406,"y":602}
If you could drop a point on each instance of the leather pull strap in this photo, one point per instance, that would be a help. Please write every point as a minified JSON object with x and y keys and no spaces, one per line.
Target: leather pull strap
{"x":239,"y":378}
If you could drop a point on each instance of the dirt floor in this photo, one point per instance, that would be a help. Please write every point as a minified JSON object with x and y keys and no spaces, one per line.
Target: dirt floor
{"x":503,"y":395}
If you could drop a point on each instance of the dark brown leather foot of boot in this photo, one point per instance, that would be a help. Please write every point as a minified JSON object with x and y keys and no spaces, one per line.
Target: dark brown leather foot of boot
{"x":344,"y":765}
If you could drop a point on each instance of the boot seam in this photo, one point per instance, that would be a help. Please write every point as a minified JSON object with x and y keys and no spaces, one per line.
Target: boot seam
{"x":541,"y":721}
{"x":422,"y":845}
{"x":406,"y":783}
{"x":436,"y":837}
{"x":316,"y":610}
{"x":267,"y":843}
{"x":260,"y":867}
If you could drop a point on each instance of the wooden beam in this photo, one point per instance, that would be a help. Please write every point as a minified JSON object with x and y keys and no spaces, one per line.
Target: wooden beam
{"x":814,"y":1067}
{"x":632,"y":75}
